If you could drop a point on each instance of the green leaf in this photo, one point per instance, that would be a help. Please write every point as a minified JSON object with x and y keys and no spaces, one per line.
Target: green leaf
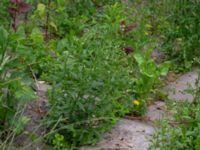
{"x":164,"y":68}
{"x":61,"y":2}
{"x":41,"y":9}
{"x":37,"y":36}
{"x":139,"y":58}
{"x":197,"y":143}
{"x":3,"y":38}
{"x":149,"y":69}
{"x":25,"y":94}
{"x":53,"y":25}
{"x":19,"y":124}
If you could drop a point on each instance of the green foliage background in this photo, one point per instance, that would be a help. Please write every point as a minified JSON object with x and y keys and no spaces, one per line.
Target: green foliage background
{"x":79,"y":48}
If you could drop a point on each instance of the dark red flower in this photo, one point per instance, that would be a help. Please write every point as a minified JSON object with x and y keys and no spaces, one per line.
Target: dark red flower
{"x":130,"y":27}
{"x":123,"y":25}
{"x":12,"y":11}
{"x":127,"y":50}
{"x":24,"y":7}
{"x":18,"y":6}
{"x":15,"y":8}
{"x":127,"y":27}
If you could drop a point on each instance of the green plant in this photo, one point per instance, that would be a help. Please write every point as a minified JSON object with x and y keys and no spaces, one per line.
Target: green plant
{"x":147,"y":77}
{"x":94,"y":86}
{"x":14,"y":91}
{"x":94,"y":78}
{"x":3,"y":12}
{"x":15,"y":9}
{"x":59,"y":142}
{"x":180,"y":131}
{"x":92,"y":53}
{"x":178,"y":24}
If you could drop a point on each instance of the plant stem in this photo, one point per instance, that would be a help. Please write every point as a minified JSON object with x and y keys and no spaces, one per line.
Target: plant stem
{"x":47,"y":22}
{"x":14,"y":26}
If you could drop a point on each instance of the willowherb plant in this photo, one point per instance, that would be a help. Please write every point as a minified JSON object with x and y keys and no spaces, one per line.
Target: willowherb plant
{"x":15,"y":9}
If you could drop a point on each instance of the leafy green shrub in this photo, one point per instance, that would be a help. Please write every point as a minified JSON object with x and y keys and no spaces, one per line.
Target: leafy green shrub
{"x":14,"y":91}
{"x":93,"y":53}
{"x":94,"y":79}
{"x":90,"y":86}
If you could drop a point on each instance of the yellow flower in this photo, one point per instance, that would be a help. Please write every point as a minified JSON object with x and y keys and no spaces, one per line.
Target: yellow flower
{"x":136,"y":102}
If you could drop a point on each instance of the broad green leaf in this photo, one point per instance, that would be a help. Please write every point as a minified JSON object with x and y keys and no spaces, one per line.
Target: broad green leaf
{"x":53,"y":25}
{"x":41,"y":9}
{"x":139,"y":58}
{"x":149,"y":69}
